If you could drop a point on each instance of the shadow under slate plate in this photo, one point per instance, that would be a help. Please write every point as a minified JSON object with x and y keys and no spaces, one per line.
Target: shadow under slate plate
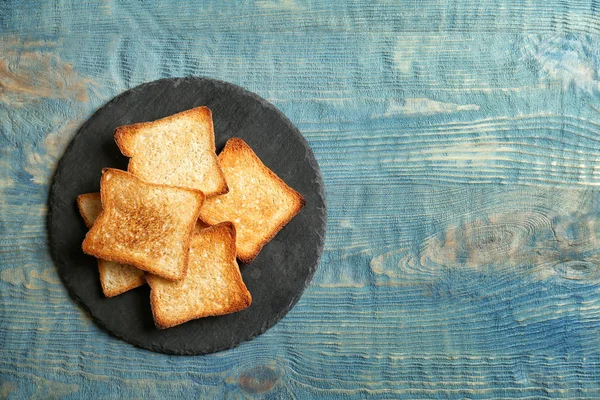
{"x":276,"y":278}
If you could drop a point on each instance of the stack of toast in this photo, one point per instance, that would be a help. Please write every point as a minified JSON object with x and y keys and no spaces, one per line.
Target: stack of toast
{"x":180,"y":217}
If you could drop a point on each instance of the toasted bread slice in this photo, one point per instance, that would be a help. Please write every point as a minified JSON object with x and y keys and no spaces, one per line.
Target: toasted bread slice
{"x":115,"y":278}
{"x":200,"y":225}
{"x":144,"y":224}
{"x":90,"y":206}
{"x":258,"y":203}
{"x":212,"y":286}
{"x":178,"y":150}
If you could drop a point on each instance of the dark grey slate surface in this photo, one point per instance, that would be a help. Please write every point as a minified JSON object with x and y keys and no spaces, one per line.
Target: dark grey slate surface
{"x":276,"y":278}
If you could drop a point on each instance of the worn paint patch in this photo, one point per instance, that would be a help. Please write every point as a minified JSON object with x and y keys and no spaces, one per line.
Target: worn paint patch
{"x":263,"y":378}
{"x":542,"y":242}
{"x":472,"y":154}
{"x":286,"y":5}
{"x":42,"y":210}
{"x":29,"y":277}
{"x":14,"y":276}
{"x":422,"y":107}
{"x":568,"y":59}
{"x":379,"y":264}
{"x":48,"y":275}
{"x":37,"y":165}
{"x":405,"y":54}
{"x":258,"y":380}
{"x":28,"y":74}
{"x":50,"y":389}
{"x":106,"y":7}
{"x":534,"y":150}
{"x":345,"y":223}
{"x":498,"y":241}
{"x":6,"y":171}
{"x":41,"y":164}
{"x":6,"y":182}
{"x":6,"y":389}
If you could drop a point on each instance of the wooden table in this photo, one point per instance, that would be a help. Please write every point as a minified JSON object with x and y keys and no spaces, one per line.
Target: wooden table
{"x":459,"y":143}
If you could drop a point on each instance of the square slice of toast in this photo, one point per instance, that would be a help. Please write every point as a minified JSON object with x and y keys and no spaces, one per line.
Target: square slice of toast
{"x":213,"y":284}
{"x":115,"y":278}
{"x":178,"y":150}
{"x":258,"y":203}
{"x":144,"y":224}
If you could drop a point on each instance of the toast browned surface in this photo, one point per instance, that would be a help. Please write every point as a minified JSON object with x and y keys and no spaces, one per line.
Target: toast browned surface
{"x":178,"y":150}
{"x":115,"y":278}
{"x":144,"y":224}
{"x":258,"y":203}
{"x":200,"y":225}
{"x":212,"y":286}
{"x":90,"y":206}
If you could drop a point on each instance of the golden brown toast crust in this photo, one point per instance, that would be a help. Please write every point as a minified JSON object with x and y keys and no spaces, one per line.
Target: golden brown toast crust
{"x":226,"y":292}
{"x":90,"y":207}
{"x":125,"y":135}
{"x":200,"y":225}
{"x":237,"y":161}
{"x":141,"y":216}
{"x":134,"y":277}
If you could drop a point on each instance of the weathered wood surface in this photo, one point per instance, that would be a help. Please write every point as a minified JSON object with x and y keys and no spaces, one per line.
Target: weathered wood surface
{"x":460,"y":147}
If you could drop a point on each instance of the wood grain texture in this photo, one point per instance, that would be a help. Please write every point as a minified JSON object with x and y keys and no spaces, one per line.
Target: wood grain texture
{"x":459,"y":146}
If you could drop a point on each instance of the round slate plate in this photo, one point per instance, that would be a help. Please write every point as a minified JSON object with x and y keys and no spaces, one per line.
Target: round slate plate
{"x":276,"y":278}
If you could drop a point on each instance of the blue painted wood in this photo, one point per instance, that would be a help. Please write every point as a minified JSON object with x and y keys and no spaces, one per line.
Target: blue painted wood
{"x":459,"y":146}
